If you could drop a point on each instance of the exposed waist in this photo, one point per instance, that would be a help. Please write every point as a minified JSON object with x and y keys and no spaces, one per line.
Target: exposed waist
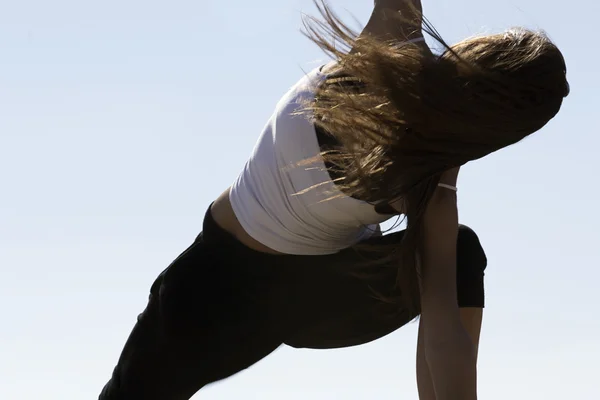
{"x":221,"y":213}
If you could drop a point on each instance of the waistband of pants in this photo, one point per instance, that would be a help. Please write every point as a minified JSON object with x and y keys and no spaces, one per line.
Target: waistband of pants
{"x":224,"y":242}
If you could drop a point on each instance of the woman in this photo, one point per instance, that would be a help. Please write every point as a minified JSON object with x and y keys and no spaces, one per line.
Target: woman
{"x":291,"y":252}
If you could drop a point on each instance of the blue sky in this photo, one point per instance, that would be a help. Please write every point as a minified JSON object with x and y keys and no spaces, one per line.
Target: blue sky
{"x":120,"y":121}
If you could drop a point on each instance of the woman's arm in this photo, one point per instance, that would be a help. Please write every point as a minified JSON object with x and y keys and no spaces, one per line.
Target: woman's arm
{"x":449,"y":351}
{"x":396,"y":20}
{"x":471,"y":319}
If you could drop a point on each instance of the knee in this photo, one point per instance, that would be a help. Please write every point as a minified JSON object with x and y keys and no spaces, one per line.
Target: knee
{"x":470,"y":252}
{"x":470,"y":267}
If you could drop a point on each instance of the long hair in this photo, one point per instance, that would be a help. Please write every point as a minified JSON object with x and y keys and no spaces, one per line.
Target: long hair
{"x":417,"y":114}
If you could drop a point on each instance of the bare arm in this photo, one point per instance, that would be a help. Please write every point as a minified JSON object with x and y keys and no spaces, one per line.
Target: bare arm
{"x":449,"y":351}
{"x":471,"y":319}
{"x":447,"y":342}
{"x":396,"y":20}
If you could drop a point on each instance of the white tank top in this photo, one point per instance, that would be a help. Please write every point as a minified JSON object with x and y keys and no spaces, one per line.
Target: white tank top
{"x":272,"y":197}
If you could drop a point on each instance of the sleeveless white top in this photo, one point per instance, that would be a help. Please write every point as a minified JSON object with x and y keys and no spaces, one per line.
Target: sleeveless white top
{"x":285,"y":199}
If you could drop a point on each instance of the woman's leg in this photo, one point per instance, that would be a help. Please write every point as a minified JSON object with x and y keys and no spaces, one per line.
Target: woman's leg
{"x":206,"y":320}
{"x":344,"y":311}
{"x":219,"y":308}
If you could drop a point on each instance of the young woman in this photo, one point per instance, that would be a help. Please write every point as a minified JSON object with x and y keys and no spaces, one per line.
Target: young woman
{"x":292,"y":253}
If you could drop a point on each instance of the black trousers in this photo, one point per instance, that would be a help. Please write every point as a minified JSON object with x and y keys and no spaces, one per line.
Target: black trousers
{"x":221,"y":307}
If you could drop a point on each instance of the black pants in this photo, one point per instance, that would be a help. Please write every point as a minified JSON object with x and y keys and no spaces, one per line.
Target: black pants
{"x":221,"y":307}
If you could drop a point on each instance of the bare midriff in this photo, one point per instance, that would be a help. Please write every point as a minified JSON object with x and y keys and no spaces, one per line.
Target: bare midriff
{"x":223,"y":214}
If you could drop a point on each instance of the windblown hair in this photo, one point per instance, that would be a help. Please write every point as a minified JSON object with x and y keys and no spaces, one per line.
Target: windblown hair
{"x":417,"y":114}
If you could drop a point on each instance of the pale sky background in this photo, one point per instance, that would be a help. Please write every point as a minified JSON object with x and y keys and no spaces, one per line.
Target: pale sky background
{"x":120,"y":121}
